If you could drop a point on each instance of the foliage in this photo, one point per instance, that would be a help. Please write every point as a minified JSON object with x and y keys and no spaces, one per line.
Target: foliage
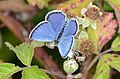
{"x":104,"y":64}
{"x":33,"y":73}
{"x":73,"y":7}
{"x":98,"y":35}
{"x":7,"y":69}
{"x":105,"y":30}
{"x":116,"y":44}
{"x":24,"y":52}
{"x":103,"y":69}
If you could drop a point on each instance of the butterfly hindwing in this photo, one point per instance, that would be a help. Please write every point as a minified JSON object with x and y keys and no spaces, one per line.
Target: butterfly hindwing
{"x":66,"y":41}
{"x":65,"y":46}
{"x":43,"y":32}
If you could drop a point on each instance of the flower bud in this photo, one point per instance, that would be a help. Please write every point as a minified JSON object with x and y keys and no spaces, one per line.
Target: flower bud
{"x":70,"y":66}
{"x":83,"y":36}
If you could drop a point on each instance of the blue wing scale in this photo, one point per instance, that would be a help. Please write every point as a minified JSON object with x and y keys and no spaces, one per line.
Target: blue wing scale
{"x":67,"y":39}
{"x":57,"y":19}
{"x":43,"y":32}
{"x":65,"y":46}
{"x":70,"y":28}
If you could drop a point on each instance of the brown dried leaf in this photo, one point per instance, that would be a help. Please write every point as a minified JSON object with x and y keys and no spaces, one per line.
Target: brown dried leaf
{"x":14,"y":26}
{"x":106,"y":30}
{"x":40,"y":3}
{"x":32,"y":2}
{"x":14,"y":5}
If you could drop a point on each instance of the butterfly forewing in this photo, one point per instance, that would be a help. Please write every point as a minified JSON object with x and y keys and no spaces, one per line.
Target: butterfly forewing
{"x":43,"y":32}
{"x":57,"y":19}
{"x":47,"y":31}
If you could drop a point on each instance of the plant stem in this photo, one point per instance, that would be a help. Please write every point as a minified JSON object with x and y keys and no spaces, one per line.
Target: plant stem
{"x":58,"y":74}
{"x":93,"y":62}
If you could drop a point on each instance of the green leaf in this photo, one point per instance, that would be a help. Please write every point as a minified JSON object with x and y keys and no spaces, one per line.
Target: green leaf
{"x":105,"y":29}
{"x":37,"y":43}
{"x":24,"y":52}
{"x":116,"y":44}
{"x":76,"y":45}
{"x":68,"y":9}
{"x":116,"y":6}
{"x":103,"y":69}
{"x":114,"y":61}
{"x":34,"y":73}
{"x":93,"y":36}
{"x":7,"y":70}
{"x":116,"y":2}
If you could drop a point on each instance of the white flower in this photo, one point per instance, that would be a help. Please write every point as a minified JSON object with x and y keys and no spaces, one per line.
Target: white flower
{"x":91,"y":13}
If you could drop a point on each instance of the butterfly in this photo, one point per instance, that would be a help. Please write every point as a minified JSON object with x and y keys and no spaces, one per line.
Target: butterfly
{"x":56,"y":29}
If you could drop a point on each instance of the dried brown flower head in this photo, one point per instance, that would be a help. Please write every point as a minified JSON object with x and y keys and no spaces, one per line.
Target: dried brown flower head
{"x":92,"y":13}
{"x":87,"y":47}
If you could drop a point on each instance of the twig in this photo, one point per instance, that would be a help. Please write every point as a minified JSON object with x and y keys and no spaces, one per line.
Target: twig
{"x":58,"y":74}
{"x":93,"y":62}
{"x":14,"y":26}
{"x":87,"y":62}
{"x":45,"y":60}
{"x":69,"y":76}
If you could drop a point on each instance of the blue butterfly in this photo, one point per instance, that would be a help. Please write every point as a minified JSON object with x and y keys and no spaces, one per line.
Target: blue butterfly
{"x":56,"y":28}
